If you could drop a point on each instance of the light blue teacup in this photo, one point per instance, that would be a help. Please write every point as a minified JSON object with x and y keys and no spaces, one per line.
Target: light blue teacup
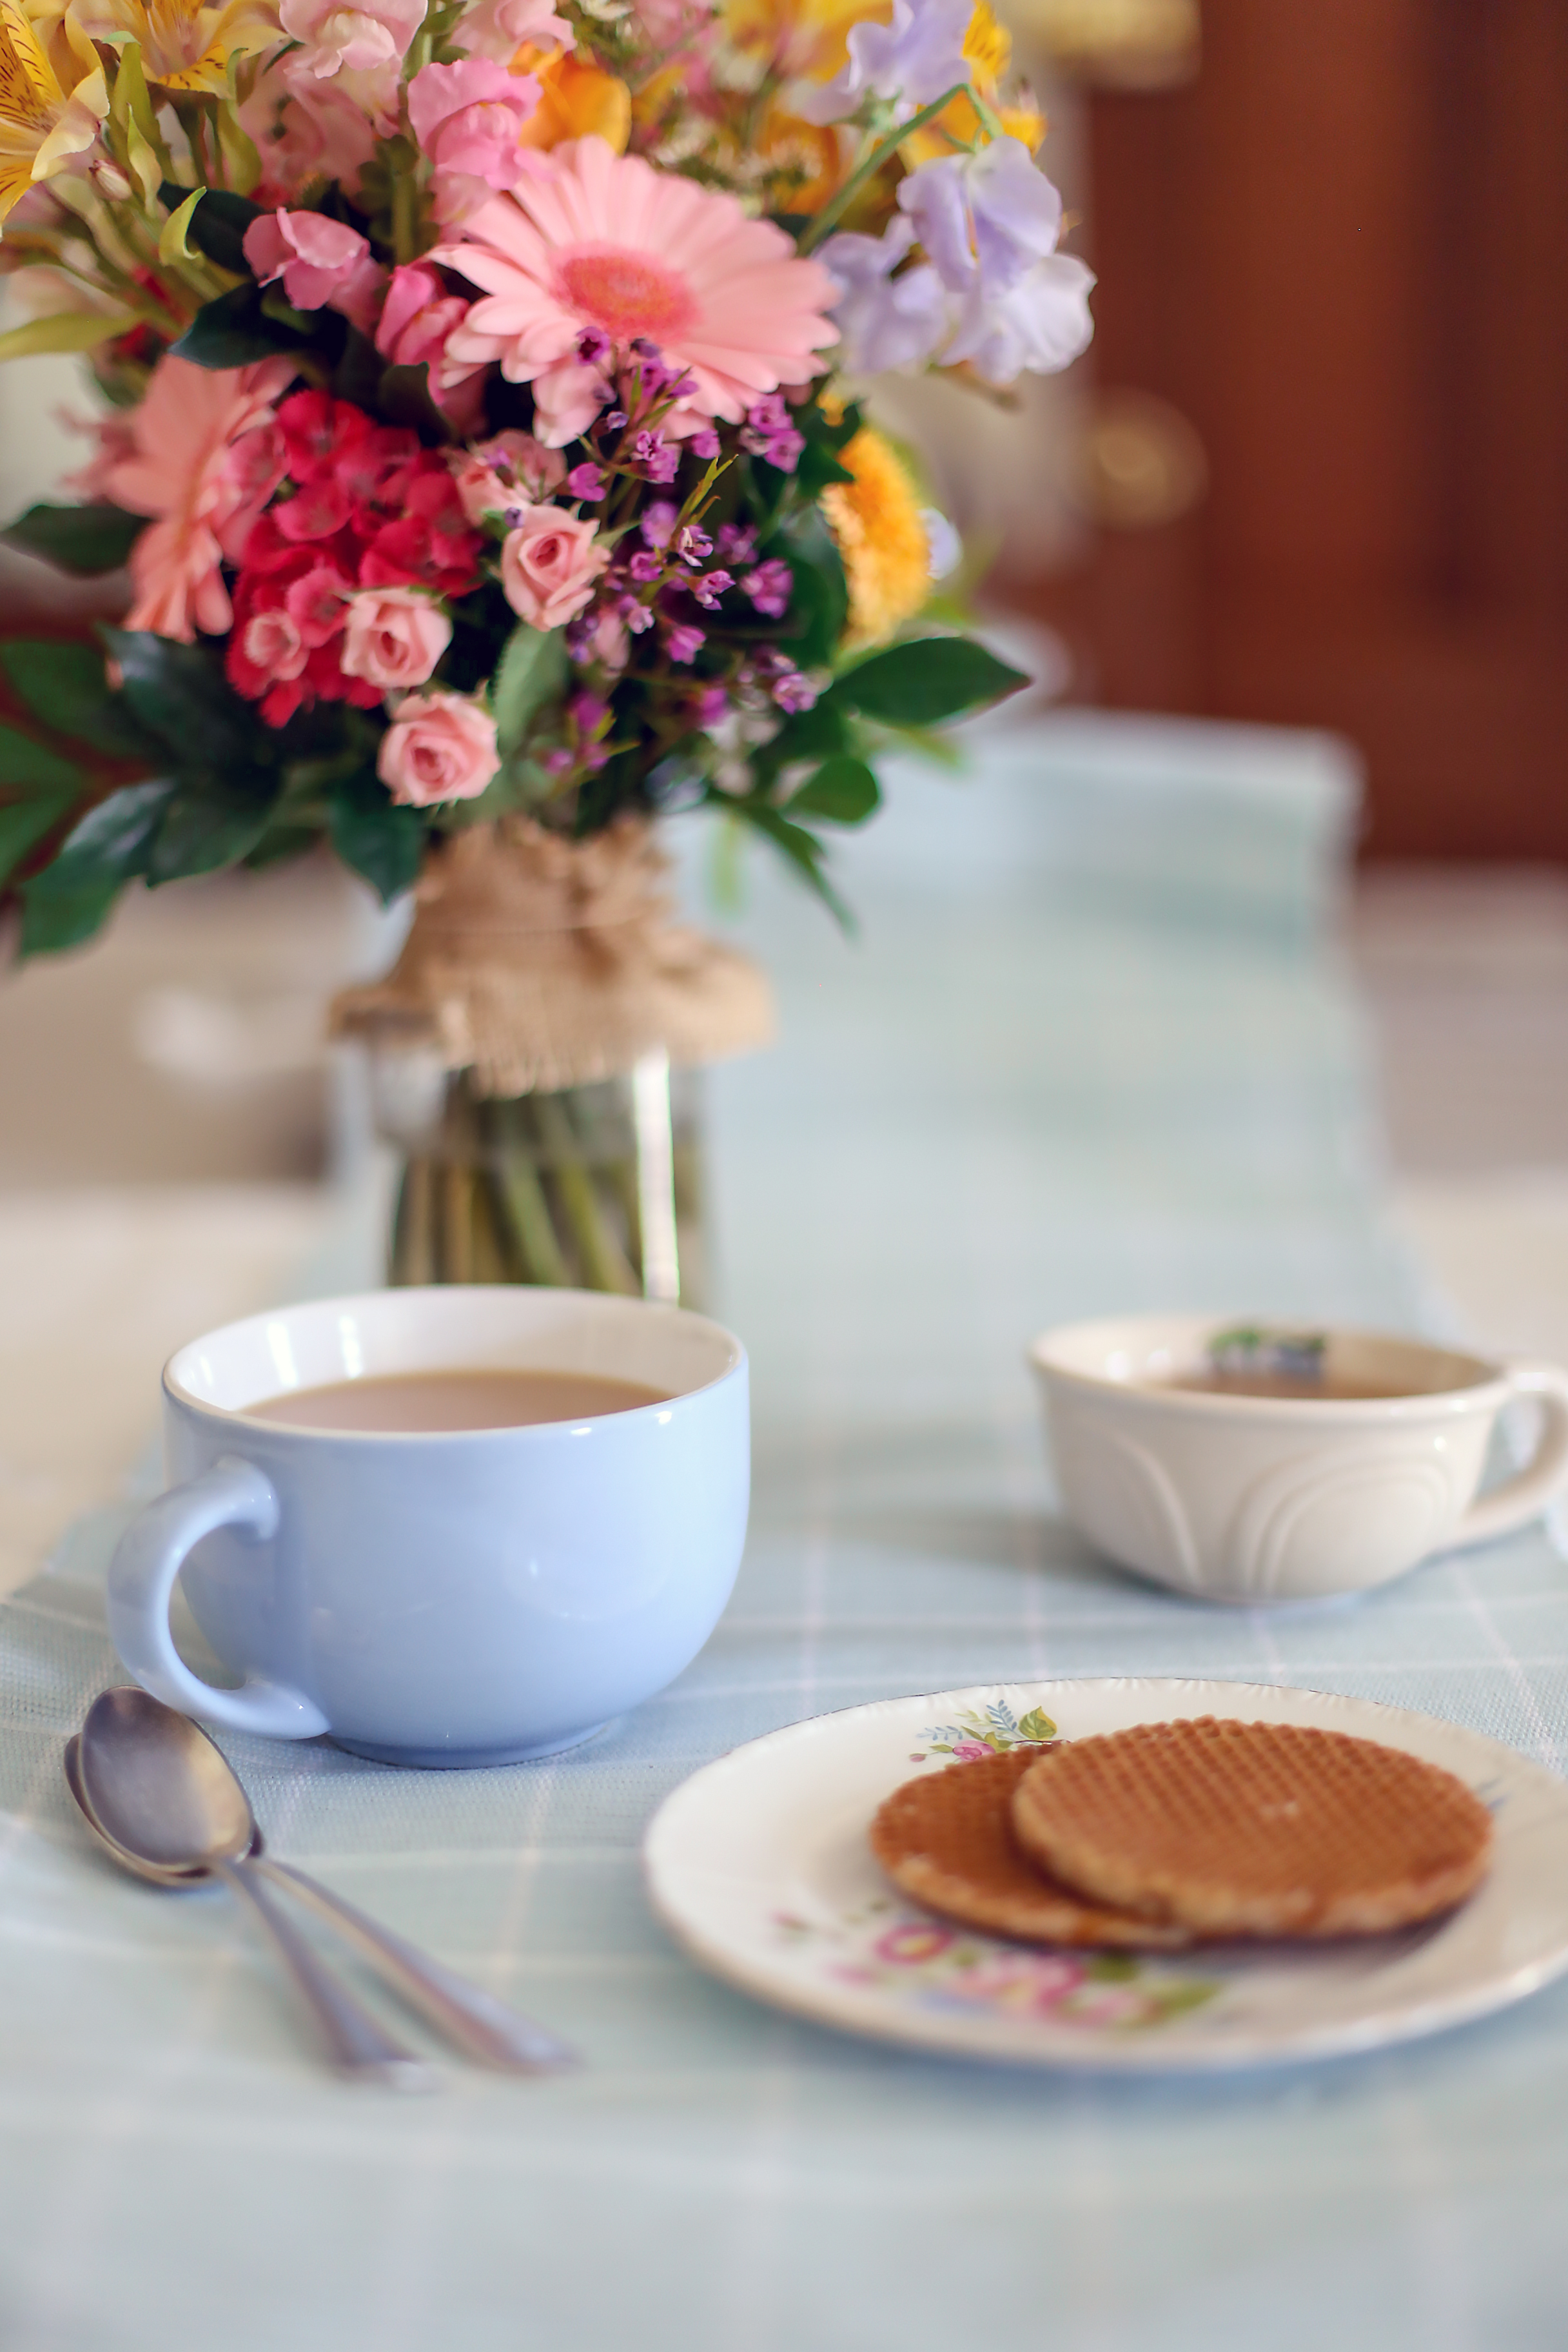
{"x":441,"y":1598}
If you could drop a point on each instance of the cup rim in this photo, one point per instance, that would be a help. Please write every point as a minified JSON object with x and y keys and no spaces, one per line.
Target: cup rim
{"x":1490,"y":1381}
{"x":238,"y":1417}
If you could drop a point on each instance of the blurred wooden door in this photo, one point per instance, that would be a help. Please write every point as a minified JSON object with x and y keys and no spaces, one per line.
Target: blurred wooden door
{"x":1341,"y":253}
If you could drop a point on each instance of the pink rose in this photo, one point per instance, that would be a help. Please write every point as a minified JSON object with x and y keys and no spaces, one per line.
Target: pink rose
{"x":393,"y":637}
{"x":549,"y":564}
{"x":321,"y":261}
{"x":359,"y":38}
{"x":416,"y":317}
{"x":440,"y":746}
{"x":467,"y":117}
{"x":274,"y":643}
{"x":510,"y":469}
{"x":499,"y":28}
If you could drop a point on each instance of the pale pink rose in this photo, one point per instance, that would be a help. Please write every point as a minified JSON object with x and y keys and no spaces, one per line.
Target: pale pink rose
{"x":510,"y":469}
{"x":549,"y":563}
{"x":467,"y":117}
{"x":371,"y":34}
{"x":275,"y":642}
{"x":393,"y":637}
{"x":416,"y":317}
{"x":305,"y":130}
{"x":499,"y":28}
{"x":439,"y":747}
{"x":320,"y":262}
{"x":204,"y":459}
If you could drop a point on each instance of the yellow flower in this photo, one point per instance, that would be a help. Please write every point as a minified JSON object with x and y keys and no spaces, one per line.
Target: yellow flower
{"x":875,"y":520}
{"x":798,"y":36}
{"x":51,"y":107}
{"x":577,"y":98}
{"x":804,"y":165}
{"x":183,"y":46}
{"x":988,"y":52}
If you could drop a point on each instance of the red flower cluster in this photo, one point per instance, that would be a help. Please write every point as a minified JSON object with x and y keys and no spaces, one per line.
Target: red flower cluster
{"x":362,"y":506}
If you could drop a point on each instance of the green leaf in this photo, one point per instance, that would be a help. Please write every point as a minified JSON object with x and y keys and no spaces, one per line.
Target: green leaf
{"x":203,"y":832}
{"x":358,"y":374}
{"x":216,"y":224}
{"x":31,"y":768}
{"x":24,"y":823}
{"x":66,"y":330}
{"x":181,"y":694}
{"x":814,"y":734}
{"x":531,"y":670}
{"x":83,"y":540}
{"x":803,"y":849}
{"x":819,"y":604}
{"x":172,"y":246}
{"x":63,"y":680}
{"x":66,"y":902}
{"x":405,"y":398}
{"x":1037,"y":1726}
{"x":927,"y":680}
{"x":375,"y":837}
{"x":233,"y":330}
{"x":843,"y":790}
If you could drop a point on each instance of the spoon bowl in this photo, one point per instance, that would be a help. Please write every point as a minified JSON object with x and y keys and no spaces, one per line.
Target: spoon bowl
{"x":158,"y":1788}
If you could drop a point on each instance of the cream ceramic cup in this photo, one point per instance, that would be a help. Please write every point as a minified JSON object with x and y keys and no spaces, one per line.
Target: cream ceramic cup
{"x":1249,"y":1498}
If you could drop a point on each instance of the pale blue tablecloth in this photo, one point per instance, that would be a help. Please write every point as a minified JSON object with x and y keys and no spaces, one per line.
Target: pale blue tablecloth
{"x":1093,"y":1053}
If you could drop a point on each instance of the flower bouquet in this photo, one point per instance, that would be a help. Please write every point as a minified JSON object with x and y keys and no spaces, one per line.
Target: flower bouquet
{"x":480,"y":434}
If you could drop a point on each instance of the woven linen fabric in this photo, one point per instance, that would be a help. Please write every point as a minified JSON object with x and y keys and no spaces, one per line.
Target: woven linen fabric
{"x":1077,"y":1063}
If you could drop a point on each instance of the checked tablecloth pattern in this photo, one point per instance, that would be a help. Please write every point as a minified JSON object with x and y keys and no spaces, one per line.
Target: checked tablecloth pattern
{"x":1093,"y":1053}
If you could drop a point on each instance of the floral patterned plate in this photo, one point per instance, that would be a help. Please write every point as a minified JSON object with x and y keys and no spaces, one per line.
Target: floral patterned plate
{"x":759,"y":1866}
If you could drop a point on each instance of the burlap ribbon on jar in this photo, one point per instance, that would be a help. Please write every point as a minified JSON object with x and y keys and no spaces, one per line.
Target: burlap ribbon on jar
{"x":539,"y":964}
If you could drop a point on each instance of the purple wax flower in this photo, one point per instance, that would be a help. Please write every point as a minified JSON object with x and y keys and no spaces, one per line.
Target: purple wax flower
{"x":683,"y":643}
{"x":704,"y":445}
{"x":709,"y":587}
{"x":586,"y":482}
{"x":710,"y":707}
{"x":587,"y":712}
{"x":769,"y":587}
{"x":770,"y":433}
{"x":660,"y":459}
{"x":637,"y":617}
{"x":613,"y":419}
{"x":592,"y":346}
{"x":557,"y":763}
{"x":579,"y":640}
{"x":645,"y":566}
{"x":794,"y":692}
{"x":659,"y":521}
{"x":693,"y":545}
{"x":737,"y":543}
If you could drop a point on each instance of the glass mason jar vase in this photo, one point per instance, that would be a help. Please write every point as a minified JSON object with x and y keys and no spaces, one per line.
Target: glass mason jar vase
{"x":597,"y":1187}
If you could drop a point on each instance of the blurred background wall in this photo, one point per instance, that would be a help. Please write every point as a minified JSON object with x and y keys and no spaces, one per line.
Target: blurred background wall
{"x":1323,"y":449}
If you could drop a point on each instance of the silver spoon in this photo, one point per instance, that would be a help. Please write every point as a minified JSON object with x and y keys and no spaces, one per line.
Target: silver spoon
{"x":125,"y":1802}
{"x":136,"y":1728}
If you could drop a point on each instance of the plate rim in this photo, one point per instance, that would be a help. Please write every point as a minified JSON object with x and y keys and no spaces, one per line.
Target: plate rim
{"x":939,"y":2038}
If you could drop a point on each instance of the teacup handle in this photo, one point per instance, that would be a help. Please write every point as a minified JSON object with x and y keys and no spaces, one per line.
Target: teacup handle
{"x":147,"y":1560}
{"x":1528,"y":1493}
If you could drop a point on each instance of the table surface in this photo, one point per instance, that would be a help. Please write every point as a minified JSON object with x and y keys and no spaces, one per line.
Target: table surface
{"x":1040,"y":1087}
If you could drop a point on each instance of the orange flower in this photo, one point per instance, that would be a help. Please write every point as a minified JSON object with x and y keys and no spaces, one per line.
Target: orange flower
{"x":578,"y":99}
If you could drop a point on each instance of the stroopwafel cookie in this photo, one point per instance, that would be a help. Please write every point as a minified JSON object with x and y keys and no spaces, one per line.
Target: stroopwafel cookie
{"x":947,"y":1840}
{"x":1253,"y":1829}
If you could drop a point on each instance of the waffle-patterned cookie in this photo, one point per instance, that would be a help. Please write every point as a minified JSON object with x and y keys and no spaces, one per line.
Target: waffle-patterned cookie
{"x":1253,"y":1829}
{"x":947,"y":1840}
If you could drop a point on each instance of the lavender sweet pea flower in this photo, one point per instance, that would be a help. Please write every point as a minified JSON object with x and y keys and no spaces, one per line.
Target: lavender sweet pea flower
{"x":914,"y":58}
{"x":885,"y":321}
{"x":1039,"y":323}
{"x":991,"y":215}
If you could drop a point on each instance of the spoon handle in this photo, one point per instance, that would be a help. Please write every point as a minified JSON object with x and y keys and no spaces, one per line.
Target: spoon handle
{"x":478,"y":2024}
{"x":356,"y":2043}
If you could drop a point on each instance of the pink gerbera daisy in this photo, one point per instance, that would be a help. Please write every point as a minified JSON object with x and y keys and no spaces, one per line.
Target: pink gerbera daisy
{"x":589,"y":239}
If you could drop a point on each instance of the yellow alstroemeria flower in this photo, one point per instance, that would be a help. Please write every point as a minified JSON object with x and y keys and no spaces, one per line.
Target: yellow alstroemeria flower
{"x":183,"y":46}
{"x":51,"y":107}
{"x":807,"y":37}
{"x":988,"y":52}
{"x":577,"y":98}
